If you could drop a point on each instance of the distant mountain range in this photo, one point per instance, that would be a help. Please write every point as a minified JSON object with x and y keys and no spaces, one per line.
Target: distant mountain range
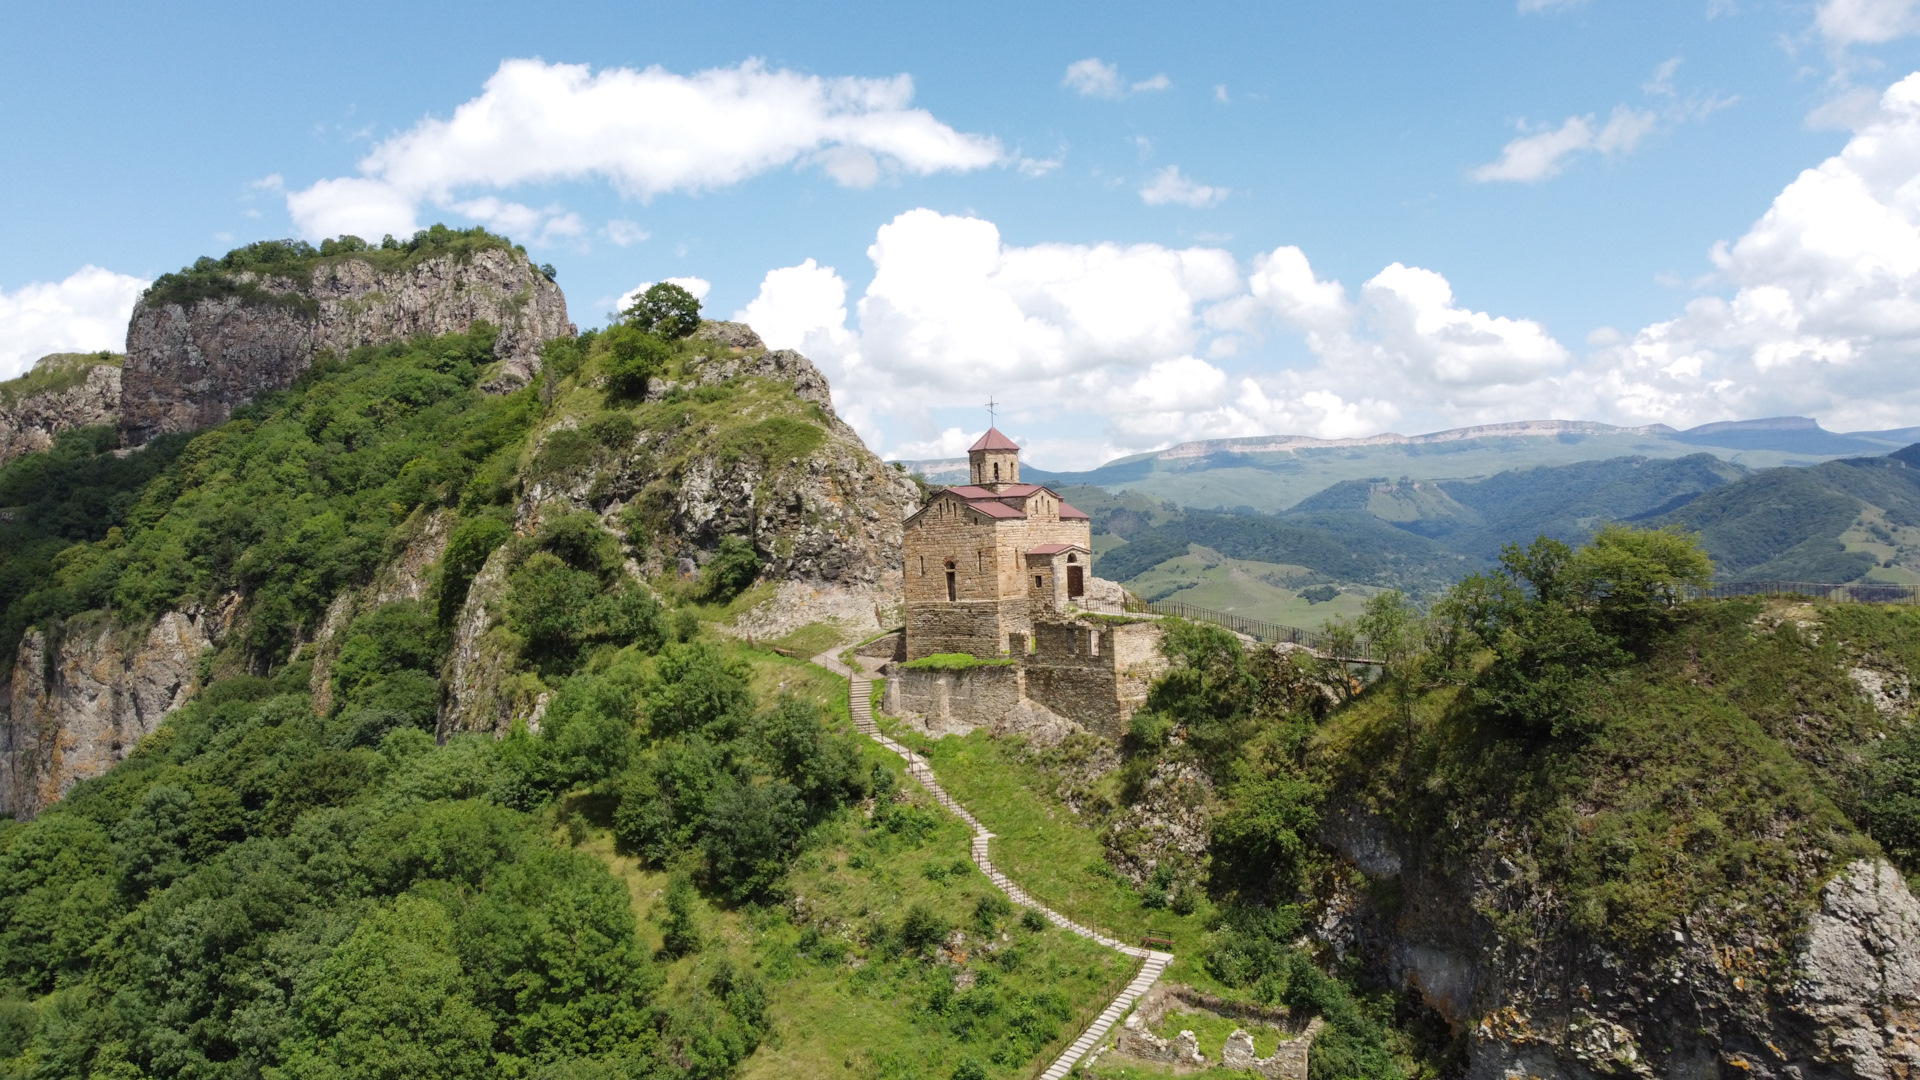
{"x":1298,"y":530}
{"x":1273,"y":473}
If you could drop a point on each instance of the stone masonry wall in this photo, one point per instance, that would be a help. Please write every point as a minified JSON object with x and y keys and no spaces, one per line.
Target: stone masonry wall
{"x":990,"y":574}
{"x":953,"y":702}
{"x":1092,"y":673}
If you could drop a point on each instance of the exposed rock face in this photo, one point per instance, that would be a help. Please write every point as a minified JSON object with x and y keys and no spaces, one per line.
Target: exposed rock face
{"x":827,"y":526}
{"x":72,"y":715}
{"x":1551,"y":1005}
{"x":189,"y":368}
{"x":82,"y":392}
{"x":1860,"y":964}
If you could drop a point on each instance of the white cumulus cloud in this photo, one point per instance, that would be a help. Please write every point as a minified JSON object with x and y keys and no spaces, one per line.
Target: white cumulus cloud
{"x":1543,"y":154}
{"x":1825,"y":317}
{"x":1866,"y":22}
{"x":1170,"y":185}
{"x":1096,"y":78}
{"x":86,"y":312}
{"x":699,"y":287}
{"x":646,"y":132}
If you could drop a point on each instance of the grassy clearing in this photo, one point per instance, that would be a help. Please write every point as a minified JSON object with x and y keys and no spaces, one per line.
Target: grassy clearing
{"x":1044,"y":846}
{"x":814,"y":638}
{"x":1257,"y":590}
{"x":1212,"y":1031}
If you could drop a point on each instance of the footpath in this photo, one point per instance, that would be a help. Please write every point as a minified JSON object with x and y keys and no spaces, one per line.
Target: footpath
{"x":1153,"y":963}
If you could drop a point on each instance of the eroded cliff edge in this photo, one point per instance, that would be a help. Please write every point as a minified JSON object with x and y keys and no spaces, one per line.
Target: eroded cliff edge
{"x":221,"y":333}
{"x":63,"y":391}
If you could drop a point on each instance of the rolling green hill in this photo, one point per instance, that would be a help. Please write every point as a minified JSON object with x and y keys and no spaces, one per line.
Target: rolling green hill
{"x":1850,"y":520}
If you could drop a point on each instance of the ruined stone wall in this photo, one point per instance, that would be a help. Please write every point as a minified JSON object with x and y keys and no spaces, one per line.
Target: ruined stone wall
{"x":953,"y":702}
{"x":977,"y":628}
{"x":1093,"y":673}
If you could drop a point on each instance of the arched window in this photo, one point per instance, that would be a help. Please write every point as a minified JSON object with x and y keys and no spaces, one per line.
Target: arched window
{"x":996,"y":472}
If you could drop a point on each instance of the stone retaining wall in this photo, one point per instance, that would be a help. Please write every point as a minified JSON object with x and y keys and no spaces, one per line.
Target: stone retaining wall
{"x":953,"y":702}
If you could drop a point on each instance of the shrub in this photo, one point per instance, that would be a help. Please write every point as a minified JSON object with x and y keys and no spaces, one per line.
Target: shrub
{"x":696,"y":689}
{"x":633,"y":359}
{"x":921,"y":929}
{"x":679,"y":934}
{"x":472,"y":541}
{"x":753,"y":830}
{"x":734,"y":566}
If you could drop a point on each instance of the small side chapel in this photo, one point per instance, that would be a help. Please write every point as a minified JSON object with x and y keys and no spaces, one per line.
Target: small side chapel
{"x":985,"y":560}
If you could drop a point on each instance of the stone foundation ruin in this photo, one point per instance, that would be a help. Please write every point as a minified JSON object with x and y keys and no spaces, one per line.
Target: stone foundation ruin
{"x":1138,"y":1042}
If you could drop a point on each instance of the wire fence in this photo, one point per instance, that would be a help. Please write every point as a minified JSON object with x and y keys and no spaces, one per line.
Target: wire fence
{"x":1274,"y":633}
{"x":1855,"y":593}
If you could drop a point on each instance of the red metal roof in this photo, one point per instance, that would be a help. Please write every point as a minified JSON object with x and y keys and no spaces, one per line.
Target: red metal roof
{"x":997,"y":509}
{"x":1018,"y":491}
{"x":993,"y":440}
{"x":969,"y":491}
{"x":1069,"y":512}
{"x":1055,"y":549}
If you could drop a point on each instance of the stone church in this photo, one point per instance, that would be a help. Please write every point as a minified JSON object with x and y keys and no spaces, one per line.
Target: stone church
{"x":987,"y":559}
{"x":1002,"y":570}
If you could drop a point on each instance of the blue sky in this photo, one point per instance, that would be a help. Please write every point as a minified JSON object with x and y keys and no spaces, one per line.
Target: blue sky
{"x":1520,"y":204}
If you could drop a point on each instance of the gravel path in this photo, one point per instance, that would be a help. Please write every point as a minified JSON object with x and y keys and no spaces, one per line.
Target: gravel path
{"x":1152,"y":961}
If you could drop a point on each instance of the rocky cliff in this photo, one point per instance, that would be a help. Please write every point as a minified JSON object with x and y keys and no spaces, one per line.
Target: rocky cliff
{"x":62,"y":392}
{"x":734,"y":441}
{"x":198,"y":349}
{"x":1479,"y":945}
{"x":78,"y":699}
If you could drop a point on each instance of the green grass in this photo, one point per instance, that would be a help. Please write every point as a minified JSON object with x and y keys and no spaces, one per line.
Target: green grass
{"x":861,"y":1014}
{"x":1044,"y":846}
{"x":813,"y":638}
{"x":56,"y":372}
{"x":954,"y":661}
{"x":1212,"y":1031}
{"x":1257,"y":590}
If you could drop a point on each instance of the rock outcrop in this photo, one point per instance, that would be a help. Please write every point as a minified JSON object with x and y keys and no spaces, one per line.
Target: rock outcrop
{"x":62,"y":392}
{"x":1554,"y":1005}
{"x":75,"y":706}
{"x":826,"y":524}
{"x":189,"y":366}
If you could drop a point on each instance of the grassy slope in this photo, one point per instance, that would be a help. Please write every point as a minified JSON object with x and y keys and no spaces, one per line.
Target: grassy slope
{"x":1040,"y":843}
{"x":861,"y":1015}
{"x":55,"y":372}
{"x":1712,"y":788}
{"x":1245,"y":587}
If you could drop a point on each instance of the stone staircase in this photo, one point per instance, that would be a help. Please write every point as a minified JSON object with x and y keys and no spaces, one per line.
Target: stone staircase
{"x":1152,"y":962}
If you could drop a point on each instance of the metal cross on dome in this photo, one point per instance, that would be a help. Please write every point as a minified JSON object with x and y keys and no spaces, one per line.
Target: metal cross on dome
{"x":990,"y":407}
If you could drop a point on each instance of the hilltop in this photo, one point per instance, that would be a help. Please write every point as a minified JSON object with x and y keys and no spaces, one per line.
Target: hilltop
{"x":406,"y":718}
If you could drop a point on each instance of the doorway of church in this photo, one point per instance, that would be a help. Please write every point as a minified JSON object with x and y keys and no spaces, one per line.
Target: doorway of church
{"x":1076,"y":583}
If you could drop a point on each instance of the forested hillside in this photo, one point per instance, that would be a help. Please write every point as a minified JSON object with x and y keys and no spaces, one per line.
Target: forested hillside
{"x":293,"y":877}
{"x":1560,"y":779}
{"x":1836,"y":522}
